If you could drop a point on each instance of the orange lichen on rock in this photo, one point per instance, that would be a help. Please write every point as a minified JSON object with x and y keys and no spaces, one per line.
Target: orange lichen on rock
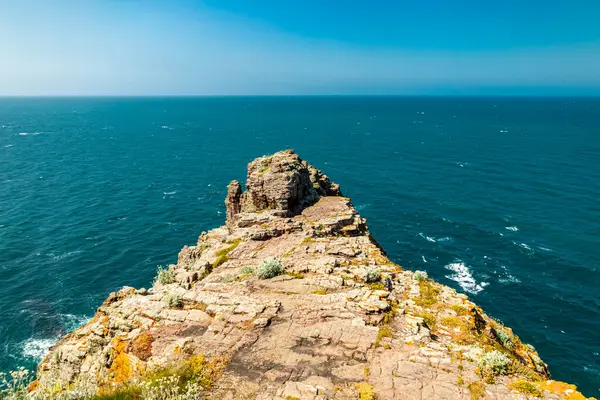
{"x":565,"y":390}
{"x":122,"y":366}
{"x":141,"y":346}
{"x":33,"y":386}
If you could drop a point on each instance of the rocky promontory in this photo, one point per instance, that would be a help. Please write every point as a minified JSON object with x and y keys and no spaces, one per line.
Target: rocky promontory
{"x":292,"y":299}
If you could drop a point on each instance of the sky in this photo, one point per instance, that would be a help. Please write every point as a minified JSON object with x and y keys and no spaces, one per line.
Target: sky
{"x":299,"y":47}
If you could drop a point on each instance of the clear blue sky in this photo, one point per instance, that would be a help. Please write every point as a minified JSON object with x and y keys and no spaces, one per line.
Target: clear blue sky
{"x":221,"y":47}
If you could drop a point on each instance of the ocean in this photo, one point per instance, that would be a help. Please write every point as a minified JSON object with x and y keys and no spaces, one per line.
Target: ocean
{"x":496,"y":197}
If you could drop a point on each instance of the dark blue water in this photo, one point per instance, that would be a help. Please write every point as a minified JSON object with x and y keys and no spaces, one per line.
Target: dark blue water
{"x":497,"y":197}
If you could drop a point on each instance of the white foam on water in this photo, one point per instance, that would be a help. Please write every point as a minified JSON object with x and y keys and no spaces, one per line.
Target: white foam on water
{"x":30,"y":133}
{"x":463,"y":276}
{"x":8,"y":145}
{"x":170,"y":193}
{"x":424,"y":259}
{"x":444,"y":239}
{"x":428,"y":238}
{"x":524,"y":246}
{"x":511,"y":228}
{"x":71,"y":322}
{"x":38,"y":348}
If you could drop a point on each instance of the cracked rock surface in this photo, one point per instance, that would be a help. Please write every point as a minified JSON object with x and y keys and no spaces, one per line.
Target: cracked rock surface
{"x":341,"y":321}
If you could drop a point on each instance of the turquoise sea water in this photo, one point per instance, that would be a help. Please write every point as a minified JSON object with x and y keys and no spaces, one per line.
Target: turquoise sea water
{"x":497,"y":197}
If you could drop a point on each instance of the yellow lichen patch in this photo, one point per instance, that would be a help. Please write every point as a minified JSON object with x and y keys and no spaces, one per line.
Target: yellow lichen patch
{"x":365,"y":391}
{"x":297,"y":275}
{"x":428,"y":295}
{"x":565,"y":390}
{"x":384,"y":331}
{"x":320,"y":291}
{"x":461,"y":329}
{"x":477,"y":390}
{"x":122,"y":367}
{"x":206,"y":371}
{"x":460,"y":309}
{"x":526,"y":387}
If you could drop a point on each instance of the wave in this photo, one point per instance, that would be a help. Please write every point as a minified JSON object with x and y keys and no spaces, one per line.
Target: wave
{"x":38,"y":348}
{"x":71,"y":322}
{"x":29,"y":133}
{"x":64,"y":255}
{"x":361,"y":207}
{"x":525,"y":247}
{"x":170,"y":193}
{"x":424,"y":259}
{"x":511,"y":228}
{"x":506,"y":277}
{"x":463,"y":276}
{"x":428,"y":238}
{"x":8,"y":145}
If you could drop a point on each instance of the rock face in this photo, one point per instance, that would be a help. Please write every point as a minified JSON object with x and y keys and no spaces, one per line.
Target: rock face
{"x":341,"y":321}
{"x":281,"y":184}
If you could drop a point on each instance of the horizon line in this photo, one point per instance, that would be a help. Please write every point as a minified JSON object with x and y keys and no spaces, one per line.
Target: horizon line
{"x":66,"y":96}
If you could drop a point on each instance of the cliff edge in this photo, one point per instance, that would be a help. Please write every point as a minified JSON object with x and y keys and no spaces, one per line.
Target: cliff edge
{"x":293,"y":299}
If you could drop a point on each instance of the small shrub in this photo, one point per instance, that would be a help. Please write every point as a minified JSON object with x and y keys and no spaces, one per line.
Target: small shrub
{"x":494,"y":363}
{"x":270,"y":268}
{"x":504,"y":338}
{"x":174,"y":301}
{"x":15,"y":385}
{"x":529,"y":347}
{"x":164,"y":275}
{"x":247,"y":270}
{"x":320,"y":291}
{"x":420,"y":276}
{"x":372,"y":275}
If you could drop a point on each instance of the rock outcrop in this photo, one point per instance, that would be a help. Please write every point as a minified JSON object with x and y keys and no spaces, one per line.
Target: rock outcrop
{"x":339,"y":321}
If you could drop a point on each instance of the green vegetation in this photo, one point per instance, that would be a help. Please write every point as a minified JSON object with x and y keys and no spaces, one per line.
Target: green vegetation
{"x":223,"y":254}
{"x":178,"y":381}
{"x":269,"y":268}
{"x":247,"y":270}
{"x":173,"y":300}
{"x":428,"y":295}
{"x":420,"y":276}
{"x":504,"y":338}
{"x":14,"y":386}
{"x":372,"y":275}
{"x":164,"y":275}
{"x":494,"y":363}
